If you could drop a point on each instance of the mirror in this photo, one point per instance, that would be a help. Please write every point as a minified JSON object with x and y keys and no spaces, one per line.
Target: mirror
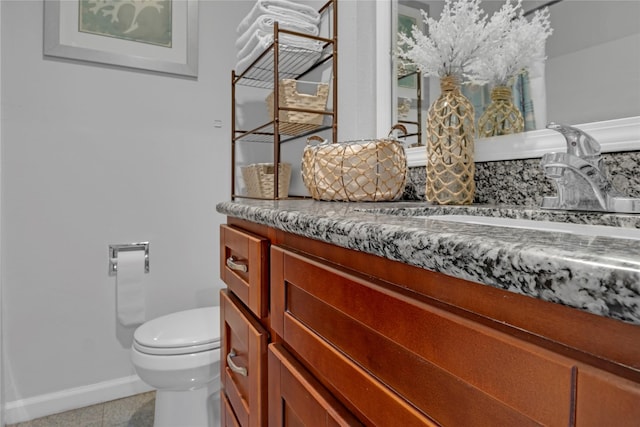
{"x":592,"y":71}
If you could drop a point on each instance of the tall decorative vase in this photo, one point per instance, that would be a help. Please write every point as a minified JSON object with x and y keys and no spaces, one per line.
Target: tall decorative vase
{"x":450,"y":150}
{"x":501,"y":117}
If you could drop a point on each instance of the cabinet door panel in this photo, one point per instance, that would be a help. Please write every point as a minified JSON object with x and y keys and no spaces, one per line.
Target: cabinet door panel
{"x":240,"y":250}
{"x":604,"y":399}
{"x":371,"y":400}
{"x":298,"y":399}
{"x":433,"y":358}
{"x":244,"y":346}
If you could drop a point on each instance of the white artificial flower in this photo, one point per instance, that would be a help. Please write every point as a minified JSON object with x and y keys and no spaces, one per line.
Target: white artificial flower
{"x":520,"y":44}
{"x":453,"y":41}
{"x":466,"y":44}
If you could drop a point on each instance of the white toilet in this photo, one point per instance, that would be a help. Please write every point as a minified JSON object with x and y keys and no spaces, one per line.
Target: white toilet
{"x":179,"y":355}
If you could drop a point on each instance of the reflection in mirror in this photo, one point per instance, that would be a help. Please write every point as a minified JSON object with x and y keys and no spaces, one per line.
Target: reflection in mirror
{"x":411,"y":93}
{"x":592,"y":71}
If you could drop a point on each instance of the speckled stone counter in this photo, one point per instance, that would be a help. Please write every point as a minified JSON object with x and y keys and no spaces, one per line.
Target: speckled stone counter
{"x":523,"y":183}
{"x":600,"y":275}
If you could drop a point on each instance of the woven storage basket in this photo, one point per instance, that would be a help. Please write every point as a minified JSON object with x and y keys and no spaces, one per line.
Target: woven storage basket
{"x":298,"y":122}
{"x":357,"y":171}
{"x":258,"y":179}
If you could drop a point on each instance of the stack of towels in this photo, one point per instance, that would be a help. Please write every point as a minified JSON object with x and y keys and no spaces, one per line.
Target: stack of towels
{"x":255,"y":32}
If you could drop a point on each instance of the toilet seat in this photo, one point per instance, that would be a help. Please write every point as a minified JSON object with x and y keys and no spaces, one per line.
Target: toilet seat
{"x":183,"y":332}
{"x":173,"y":351}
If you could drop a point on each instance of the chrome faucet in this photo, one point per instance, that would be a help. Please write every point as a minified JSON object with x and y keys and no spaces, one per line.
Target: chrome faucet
{"x":581,"y":178}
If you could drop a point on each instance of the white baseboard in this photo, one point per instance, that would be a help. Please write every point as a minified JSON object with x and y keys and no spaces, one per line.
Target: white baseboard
{"x":74,"y":398}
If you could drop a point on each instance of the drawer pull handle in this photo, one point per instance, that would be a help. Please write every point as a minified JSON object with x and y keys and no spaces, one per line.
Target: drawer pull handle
{"x":232,"y":264}
{"x":235,"y":368}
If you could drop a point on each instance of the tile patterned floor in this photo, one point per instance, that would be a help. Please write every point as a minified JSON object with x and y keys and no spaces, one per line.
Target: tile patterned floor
{"x":134,"y":411}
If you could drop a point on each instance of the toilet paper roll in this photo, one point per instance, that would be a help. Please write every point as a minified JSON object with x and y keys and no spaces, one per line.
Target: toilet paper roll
{"x":130,"y":297}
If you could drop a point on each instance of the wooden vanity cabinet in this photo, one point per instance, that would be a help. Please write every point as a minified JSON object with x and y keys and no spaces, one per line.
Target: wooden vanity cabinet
{"x":355,"y":338}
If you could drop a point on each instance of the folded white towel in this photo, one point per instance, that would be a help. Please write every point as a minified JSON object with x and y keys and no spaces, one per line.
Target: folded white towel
{"x":280,"y":8}
{"x":265,"y":23}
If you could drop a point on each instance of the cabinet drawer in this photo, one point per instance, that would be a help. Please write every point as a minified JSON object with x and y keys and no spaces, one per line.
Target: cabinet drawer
{"x":227,"y":417}
{"x":243,"y":361}
{"x":298,"y":399}
{"x":455,"y":371}
{"x":244,"y":267}
{"x":604,"y":399}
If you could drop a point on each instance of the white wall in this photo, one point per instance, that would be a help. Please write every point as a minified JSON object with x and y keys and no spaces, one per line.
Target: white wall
{"x":93,"y":155}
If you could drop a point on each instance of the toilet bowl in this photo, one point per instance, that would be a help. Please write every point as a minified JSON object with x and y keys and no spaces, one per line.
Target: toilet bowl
{"x":179,"y":355}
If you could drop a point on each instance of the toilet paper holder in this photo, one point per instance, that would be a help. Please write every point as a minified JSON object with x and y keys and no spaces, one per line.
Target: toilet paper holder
{"x":113,"y":255}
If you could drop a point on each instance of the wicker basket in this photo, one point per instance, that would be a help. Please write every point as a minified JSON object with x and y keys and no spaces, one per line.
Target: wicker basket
{"x":357,"y":171}
{"x":258,"y":179}
{"x":298,"y":122}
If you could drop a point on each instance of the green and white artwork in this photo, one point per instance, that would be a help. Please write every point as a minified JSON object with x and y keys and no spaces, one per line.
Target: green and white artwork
{"x":143,"y":21}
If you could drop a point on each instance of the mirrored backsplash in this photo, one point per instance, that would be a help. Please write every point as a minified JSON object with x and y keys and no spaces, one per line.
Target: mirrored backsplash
{"x":522,"y":182}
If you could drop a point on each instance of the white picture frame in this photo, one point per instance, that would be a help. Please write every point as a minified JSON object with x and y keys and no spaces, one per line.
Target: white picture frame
{"x":63,"y":39}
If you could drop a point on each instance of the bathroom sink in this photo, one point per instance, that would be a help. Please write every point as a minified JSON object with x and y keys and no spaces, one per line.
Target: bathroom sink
{"x":529,"y":224}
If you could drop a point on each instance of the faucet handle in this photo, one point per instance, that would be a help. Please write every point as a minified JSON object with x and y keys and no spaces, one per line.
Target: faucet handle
{"x":579,"y":143}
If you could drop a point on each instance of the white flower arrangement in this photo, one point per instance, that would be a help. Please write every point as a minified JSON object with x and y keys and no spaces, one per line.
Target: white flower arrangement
{"x":521,"y":44}
{"x":465,"y":44}
{"x":453,"y":42}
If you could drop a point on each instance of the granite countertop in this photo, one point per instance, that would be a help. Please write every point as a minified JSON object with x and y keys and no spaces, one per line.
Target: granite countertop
{"x":600,"y":275}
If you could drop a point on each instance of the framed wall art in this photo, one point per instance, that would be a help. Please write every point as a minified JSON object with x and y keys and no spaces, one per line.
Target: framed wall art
{"x":156,"y":35}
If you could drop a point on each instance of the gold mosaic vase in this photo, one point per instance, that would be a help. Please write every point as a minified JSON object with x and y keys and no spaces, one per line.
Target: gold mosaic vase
{"x":501,"y":117}
{"x":450,"y":148}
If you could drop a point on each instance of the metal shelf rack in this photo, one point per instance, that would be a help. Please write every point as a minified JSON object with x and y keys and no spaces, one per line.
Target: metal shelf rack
{"x":280,"y":61}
